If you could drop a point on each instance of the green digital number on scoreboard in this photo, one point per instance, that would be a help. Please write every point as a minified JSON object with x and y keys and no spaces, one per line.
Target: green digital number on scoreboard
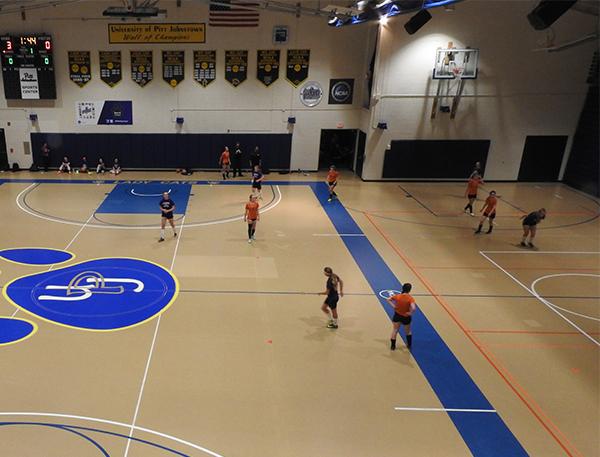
{"x":28,"y":67}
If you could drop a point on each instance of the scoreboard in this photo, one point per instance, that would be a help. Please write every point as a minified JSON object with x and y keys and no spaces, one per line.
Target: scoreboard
{"x":28,"y":67}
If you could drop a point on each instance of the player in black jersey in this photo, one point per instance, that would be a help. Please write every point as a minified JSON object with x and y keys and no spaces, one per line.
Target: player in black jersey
{"x":530,"y":223}
{"x":334,"y":290}
{"x":167,"y":207}
{"x":257,"y":179}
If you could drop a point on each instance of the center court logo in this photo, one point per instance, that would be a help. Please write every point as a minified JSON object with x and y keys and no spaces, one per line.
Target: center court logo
{"x":311,"y":94}
{"x":101,"y":294}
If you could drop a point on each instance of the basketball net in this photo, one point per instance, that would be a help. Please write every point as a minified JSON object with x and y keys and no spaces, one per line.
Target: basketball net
{"x":458,"y":72}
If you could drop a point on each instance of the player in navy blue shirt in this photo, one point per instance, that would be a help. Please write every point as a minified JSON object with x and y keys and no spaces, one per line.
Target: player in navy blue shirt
{"x":167,"y":207}
{"x":257,"y":179}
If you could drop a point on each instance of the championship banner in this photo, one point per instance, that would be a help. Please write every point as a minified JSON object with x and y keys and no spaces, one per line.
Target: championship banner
{"x":236,"y":67}
{"x":141,"y":67}
{"x":341,"y":91}
{"x":267,"y":66}
{"x":109,"y":112}
{"x":110,"y":67}
{"x":80,"y":67}
{"x":205,"y":67}
{"x":173,"y":67}
{"x":157,"y":33}
{"x":297,"y":65}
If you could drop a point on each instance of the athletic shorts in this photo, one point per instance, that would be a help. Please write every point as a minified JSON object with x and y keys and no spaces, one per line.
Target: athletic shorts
{"x":491,"y":216}
{"x":332,"y":184}
{"x":251,"y":221}
{"x":167,"y":215}
{"x":332,"y":301}
{"x":404,"y":320}
{"x":529,"y":222}
{"x":257,"y":185}
{"x":472,"y":196}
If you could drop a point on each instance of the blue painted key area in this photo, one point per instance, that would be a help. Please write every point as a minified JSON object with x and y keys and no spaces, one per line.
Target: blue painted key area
{"x":144,"y":198}
{"x":14,"y":329}
{"x":36,"y":256}
{"x":485,"y":434}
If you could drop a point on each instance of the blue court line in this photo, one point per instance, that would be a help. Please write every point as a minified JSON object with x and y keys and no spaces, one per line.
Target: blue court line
{"x":486,"y":435}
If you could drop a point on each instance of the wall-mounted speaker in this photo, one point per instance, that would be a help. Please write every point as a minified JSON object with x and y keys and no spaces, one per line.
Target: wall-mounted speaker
{"x":291,"y":120}
{"x":417,"y":21}
{"x":179,"y":120}
{"x":382,"y":125}
{"x":547,"y":12}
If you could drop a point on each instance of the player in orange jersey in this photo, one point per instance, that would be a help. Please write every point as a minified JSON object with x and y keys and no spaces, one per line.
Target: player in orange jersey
{"x":332,"y":177}
{"x":404,"y":307}
{"x":225,"y":162}
{"x":471,"y":193}
{"x":490,"y":212}
{"x":251,"y":216}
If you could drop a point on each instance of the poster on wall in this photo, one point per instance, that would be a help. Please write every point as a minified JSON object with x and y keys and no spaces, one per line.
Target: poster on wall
{"x":267,"y":66}
{"x":173,"y":67}
{"x":110,"y":67}
{"x":141,"y":67}
{"x":236,"y":67}
{"x":80,"y":66}
{"x":108,"y":112}
{"x":341,"y":91}
{"x":205,"y":67}
{"x":297,"y":65}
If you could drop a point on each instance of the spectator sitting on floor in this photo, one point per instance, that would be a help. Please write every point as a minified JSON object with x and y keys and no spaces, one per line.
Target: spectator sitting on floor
{"x":116,"y":168}
{"x":84,"y":166}
{"x":100,"y":168}
{"x":65,"y":166}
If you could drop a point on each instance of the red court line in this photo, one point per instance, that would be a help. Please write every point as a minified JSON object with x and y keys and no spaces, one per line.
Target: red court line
{"x":530,"y":332}
{"x":539,"y":345}
{"x":510,"y":380}
{"x":438,"y":267}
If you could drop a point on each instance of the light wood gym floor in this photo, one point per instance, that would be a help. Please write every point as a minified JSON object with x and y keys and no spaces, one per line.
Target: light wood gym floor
{"x":242,"y":364}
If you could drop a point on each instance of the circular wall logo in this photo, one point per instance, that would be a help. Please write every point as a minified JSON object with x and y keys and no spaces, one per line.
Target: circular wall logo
{"x":341,"y":92}
{"x":311,"y":94}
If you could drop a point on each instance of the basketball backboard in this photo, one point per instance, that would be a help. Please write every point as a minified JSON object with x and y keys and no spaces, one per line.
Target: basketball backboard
{"x":453,"y":63}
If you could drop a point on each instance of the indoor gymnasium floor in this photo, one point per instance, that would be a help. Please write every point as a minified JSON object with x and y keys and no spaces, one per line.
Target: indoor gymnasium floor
{"x":233,"y":358}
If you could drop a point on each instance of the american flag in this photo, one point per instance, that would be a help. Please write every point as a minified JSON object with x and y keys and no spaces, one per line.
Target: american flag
{"x":232,"y":13}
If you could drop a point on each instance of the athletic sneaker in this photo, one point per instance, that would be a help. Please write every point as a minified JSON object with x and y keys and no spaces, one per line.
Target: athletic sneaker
{"x":329,"y":199}
{"x":530,"y":244}
{"x":253,"y":239}
{"x":332,"y":325}
{"x":174,"y":235}
{"x":249,"y":240}
{"x":477,"y":231}
{"x":523,"y":244}
{"x":161,"y":239}
{"x":489,"y":231}
{"x":472,"y":214}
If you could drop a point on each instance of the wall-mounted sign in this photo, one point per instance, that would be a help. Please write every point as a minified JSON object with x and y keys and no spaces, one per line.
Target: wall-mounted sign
{"x":205,"y":67}
{"x":311,"y":94}
{"x":110,"y":67}
{"x":267,"y":66}
{"x":236,"y":67}
{"x":173,"y":67}
{"x":80,"y":67}
{"x":280,"y":34}
{"x":141,"y":67}
{"x":297,"y":65}
{"x":109,"y":112}
{"x":341,"y":91}
{"x":157,"y":33}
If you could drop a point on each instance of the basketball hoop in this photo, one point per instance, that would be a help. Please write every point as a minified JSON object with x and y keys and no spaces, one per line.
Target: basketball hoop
{"x":458,"y":72}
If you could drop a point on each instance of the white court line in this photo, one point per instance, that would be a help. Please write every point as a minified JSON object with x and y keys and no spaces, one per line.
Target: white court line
{"x":338,"y":234}
{"x":139,"y":400}
{"x":118,"y":424}
{"x":448,"y":410}
{"x":549,"y":306}
{"x":133,"y":192}
{"x":558,"y":196}
{"x":68,"y":246}
{"x":585,"y":316}
{"x":268,"y":207}
{"x":539,"y":252}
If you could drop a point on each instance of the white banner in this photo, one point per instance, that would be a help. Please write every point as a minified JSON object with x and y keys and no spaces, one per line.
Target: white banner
{"x":88,"y":113}
{"x":30,"y":88}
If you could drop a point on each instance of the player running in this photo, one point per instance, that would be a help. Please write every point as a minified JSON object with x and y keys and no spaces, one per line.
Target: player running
{"x":530,"y":223}
{"x":251,"y":216}
{"x":257,"y":179}
{"x":404,"y":307}
{"x":490,"y":212}
{"x":167,"y":207}
{"x":471,"y":193}
{"x":332,"y":177}
{"x":334,"y":289}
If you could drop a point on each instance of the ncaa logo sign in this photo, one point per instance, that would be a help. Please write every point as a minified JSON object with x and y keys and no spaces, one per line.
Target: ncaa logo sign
{"x":341,"y":91}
